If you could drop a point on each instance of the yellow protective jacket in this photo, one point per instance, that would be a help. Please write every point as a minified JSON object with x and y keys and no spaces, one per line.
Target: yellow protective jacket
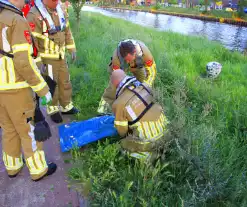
{"x":20,"y":71}
{"x":131,"y":103}
{"x":50,"y":46}
{"x":143,"y":67}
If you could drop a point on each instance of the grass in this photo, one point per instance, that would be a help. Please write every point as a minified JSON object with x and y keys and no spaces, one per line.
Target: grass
{"x":203,"y":159}
{"x":193,"y":11}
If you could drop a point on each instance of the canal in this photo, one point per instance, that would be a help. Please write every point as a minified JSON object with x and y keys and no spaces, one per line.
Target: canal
{"x":231,"y":36}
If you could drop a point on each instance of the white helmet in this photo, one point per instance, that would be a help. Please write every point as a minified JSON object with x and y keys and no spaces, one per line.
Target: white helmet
{"x":213,"y":69}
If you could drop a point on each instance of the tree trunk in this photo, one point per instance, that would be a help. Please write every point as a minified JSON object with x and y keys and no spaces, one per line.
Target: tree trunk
{"x":78,"y":21}
{"x":241,"y":8}
{"x":187,"y":3}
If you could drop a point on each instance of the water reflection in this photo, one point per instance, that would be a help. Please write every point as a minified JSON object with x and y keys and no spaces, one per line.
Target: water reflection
{"x":157,"y":22}
{"x":231,"y":36}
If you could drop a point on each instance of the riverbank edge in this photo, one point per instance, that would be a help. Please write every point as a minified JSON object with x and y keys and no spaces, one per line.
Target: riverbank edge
{"x":202,"y":17}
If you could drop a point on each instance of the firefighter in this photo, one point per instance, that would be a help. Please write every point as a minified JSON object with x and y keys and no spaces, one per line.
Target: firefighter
{"x":42,"y":129}
{"x":50,"y":27}
{"x":138,"y":119}
{"x":132,"y":55}
{"x":19,"y":78}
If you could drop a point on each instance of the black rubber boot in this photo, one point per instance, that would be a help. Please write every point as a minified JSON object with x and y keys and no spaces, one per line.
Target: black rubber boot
{"x":72,"y":111}
{"x":52,"y":167}
{"x":13,"y":176}
{"x":57,"y":118}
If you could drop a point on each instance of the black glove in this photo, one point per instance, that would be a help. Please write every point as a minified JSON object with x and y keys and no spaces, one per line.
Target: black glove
{"x":42,"y":131}
{"x":38,"y":116}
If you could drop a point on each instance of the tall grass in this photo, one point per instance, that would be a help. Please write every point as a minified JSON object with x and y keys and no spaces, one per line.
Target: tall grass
{"x":203,"y":158}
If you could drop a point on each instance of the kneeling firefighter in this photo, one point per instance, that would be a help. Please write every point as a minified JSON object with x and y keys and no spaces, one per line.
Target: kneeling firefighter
{"x":19,"y":78}
{"x":130,"y":55}
{"x":138,"y":119}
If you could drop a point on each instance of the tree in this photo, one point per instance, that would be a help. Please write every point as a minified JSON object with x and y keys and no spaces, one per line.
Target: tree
{"x":187,"y":3}
{"x":206,"y":3}
{"x":201,"y":2}
{"x":241,"y":5}
{"x":77,"y":5}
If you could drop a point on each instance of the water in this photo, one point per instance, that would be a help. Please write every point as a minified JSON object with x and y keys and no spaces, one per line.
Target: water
{"x":231,"y":36}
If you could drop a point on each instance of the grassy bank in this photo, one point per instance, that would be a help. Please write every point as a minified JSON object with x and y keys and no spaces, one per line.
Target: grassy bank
{"x":205,"y":162}
{"x":189,"y":11}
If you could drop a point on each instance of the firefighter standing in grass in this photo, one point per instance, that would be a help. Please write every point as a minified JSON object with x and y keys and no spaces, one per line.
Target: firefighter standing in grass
{"x":135,"y":56}
{"x":138,"y":119}
{"x":50,"y":27}
{"x":19,"y":77}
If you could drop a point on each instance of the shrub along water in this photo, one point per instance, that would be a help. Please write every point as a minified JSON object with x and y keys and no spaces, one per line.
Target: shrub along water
{"x":203,"y":160}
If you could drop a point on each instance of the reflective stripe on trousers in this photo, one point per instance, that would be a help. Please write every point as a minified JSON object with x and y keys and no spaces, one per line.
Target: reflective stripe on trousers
{"x":52,"y":109}
{"x":37,"y":163}
{"x":151,"y":130}
{"x":67,"y":108}
{"x":55,"y":109}
{"x":103,"y":106}
{"x":12,"y":163}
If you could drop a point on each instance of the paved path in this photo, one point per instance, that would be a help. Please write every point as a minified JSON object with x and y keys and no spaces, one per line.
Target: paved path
{"x":52,"y":191}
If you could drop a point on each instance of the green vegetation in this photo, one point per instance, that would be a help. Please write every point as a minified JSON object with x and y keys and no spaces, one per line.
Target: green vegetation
{"x":77,"y":5}
{"x":203,"y":160}
{"x":242,"y":5}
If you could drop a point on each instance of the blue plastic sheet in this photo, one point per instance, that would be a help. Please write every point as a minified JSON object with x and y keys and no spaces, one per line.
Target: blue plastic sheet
{"x":84,"y":132}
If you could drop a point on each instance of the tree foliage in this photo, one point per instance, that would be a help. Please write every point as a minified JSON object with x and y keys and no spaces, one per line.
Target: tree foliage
{"x":242,"y":4}
{"x":77,"y":5}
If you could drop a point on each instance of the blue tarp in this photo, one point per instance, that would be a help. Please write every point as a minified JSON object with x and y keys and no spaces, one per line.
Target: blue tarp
{"x":84,"y":132}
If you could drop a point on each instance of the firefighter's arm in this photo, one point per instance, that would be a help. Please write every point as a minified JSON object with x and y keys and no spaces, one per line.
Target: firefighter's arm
{"x":23,"y":61}
{"x":35,"y":26}
{"x":139,"y":73}
{"x":69,"y":39}
{"x":121,"y":122}
{"x":149,"y":66}
{"x":115,"y":62}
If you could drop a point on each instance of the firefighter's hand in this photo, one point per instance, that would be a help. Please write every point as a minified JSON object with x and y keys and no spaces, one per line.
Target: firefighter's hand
{"x":73,"y":55}
{"x":45,"y":100}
